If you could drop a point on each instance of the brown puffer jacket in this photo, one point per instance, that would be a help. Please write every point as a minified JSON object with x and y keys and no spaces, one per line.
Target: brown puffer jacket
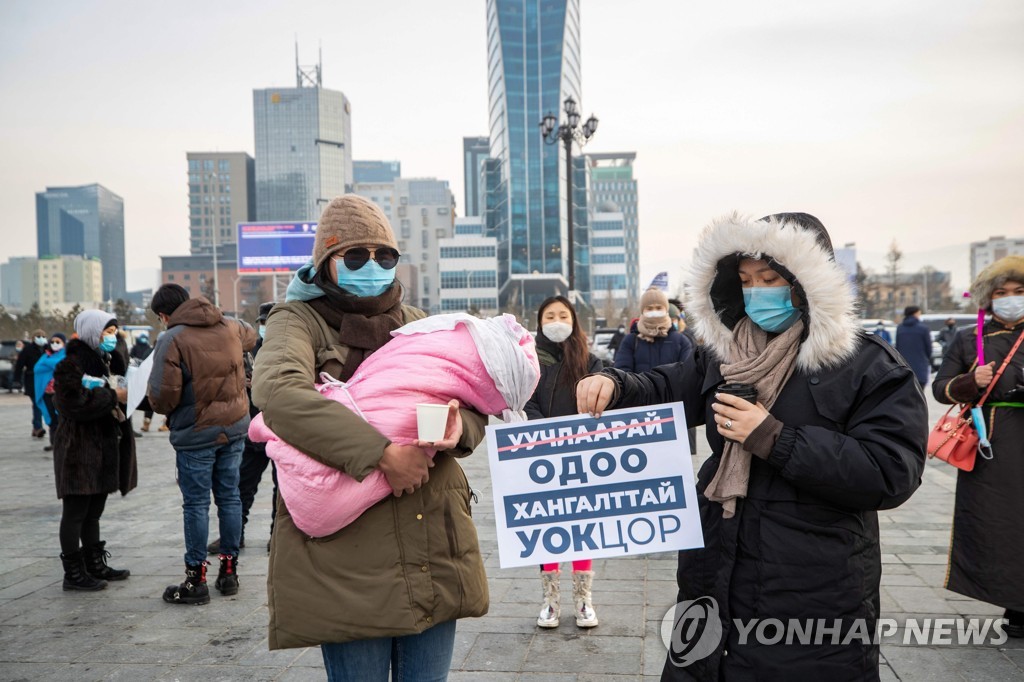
{"x":408,"y":562}
{"x":198,"y":377}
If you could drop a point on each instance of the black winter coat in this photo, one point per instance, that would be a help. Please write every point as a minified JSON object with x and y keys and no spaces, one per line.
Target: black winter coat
{"x":93,"y":452}
{"x":24,"y":367}
{"x":636,"y":355}
{"x":554,"y":397}
{"x":914,"y":342}
{"x":988,"y":516}
{"x":804,"y":543}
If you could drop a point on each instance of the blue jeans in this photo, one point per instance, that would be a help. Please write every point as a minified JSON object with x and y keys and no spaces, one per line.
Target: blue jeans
{"x":201,"y":472}
{"x":425,"y":657}
{"x":37,"y":416}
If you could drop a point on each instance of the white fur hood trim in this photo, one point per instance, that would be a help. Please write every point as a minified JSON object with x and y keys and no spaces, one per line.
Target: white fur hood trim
{"x":832,"y":334}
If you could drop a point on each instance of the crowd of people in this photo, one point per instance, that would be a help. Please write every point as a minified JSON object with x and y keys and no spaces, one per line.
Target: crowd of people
{"x":836,"y":431}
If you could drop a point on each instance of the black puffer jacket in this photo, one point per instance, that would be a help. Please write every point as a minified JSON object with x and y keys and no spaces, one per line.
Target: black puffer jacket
{"x":93,"y":452}
{"x":554,"y":396}
{"x":804,"y":543}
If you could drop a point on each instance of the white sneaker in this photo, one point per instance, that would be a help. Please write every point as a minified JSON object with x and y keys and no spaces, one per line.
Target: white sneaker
{"x":582,"y":581}
{"x":551,"y":609}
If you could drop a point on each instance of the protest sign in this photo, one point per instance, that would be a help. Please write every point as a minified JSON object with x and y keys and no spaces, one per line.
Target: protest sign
{"x":583,"y":488}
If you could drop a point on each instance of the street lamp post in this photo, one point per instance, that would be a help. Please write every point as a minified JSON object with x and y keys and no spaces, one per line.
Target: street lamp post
{"x":567,"y":133}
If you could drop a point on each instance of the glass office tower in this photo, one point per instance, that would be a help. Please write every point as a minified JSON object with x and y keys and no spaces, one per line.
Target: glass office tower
{"x":303,"y":151}
{"x":84,"y":221}
{"x":533,"y":65}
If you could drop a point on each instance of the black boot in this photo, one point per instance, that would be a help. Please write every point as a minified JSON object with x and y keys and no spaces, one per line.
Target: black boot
{"x":96,"y":563}
{"x":75,"y":575}
{"x":227,"y":579}
{"x":1015,"y":623}
{"x":193,"y":590}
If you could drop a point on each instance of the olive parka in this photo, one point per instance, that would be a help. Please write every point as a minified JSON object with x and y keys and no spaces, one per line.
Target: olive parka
{"x":804,"y":543}
{"x":408,"y":562}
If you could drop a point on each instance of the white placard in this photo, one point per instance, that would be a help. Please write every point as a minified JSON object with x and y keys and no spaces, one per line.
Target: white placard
{"x":583,"y":488}
{"x":138,"y":382}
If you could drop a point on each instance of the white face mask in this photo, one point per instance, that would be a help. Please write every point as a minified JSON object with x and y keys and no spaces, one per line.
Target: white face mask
{"x":1009,"y":308}
{"x":40,"y":340}
{"x":654,"y":314}
{"x":557,"y":331}
{"x":56,"y":346}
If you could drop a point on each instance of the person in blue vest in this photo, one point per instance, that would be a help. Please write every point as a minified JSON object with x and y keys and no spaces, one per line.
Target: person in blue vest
{"x":914,"y":343}
{"x":652,"y":341}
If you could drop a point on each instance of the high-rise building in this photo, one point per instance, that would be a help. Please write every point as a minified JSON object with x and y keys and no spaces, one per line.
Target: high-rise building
{"x":421,"y":212}
{"x":303,"y":148}
{"x":221,"y":194}
{"x":376,"y":171}
{"x":474,"y":151}
{"x":533,"y":49}
{"x":84,"y":221}
{"x":468,"y":269}
{"x":608,"y":261}
{"x":611,"y":180}
{"x":52,"y":282}
{"x":984,"y":254}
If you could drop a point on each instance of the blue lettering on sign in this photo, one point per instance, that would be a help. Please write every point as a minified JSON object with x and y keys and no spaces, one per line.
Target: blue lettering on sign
{"x":586,"y":433}
{"x":594,"y":502}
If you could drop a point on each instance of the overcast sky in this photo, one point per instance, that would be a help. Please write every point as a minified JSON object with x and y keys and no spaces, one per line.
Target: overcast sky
{"x":888,"y":120}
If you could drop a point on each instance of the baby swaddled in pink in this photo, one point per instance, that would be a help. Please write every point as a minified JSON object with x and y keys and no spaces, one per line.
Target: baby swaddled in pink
{"x":488,"y":365}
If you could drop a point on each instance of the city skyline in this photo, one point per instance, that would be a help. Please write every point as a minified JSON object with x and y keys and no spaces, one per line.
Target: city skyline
{"x":888,"y":122}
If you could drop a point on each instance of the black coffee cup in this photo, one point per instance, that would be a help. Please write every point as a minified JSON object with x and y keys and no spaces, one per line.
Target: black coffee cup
{"x":745,"y":391}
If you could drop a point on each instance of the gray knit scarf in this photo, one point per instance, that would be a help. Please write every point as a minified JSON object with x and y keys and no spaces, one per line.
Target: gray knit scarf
{"x":767,"y":364}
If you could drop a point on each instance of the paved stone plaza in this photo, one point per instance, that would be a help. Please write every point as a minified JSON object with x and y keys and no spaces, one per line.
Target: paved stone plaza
{"x":127,"y":632}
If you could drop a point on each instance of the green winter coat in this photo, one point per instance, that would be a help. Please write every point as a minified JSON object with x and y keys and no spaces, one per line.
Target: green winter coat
{"x":408,"y":562}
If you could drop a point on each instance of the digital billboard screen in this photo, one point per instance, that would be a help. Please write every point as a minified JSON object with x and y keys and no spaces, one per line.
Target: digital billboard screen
{"x":268,"y":248}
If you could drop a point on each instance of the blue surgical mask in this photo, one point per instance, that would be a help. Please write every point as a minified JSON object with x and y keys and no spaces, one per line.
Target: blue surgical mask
{"x":109,"y":343}
{"x":369,"y":280}
{"x":1009,"y":308}
{"x":263,"y":331}
{"x":770,"y":308}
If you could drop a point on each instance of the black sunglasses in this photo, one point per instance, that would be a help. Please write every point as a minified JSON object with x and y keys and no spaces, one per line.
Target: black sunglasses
{"x":385,"y":256}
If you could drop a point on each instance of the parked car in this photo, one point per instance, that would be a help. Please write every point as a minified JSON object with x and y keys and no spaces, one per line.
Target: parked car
{"x":936,"y":322}
{"x":599,"y":344}
{"x":8,"y":357}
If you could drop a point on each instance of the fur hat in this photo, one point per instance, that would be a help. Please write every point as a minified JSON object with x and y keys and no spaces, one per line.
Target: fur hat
{"x":350,"y":220}
{"x":1010,"y":268}
{"x":654,"y":297}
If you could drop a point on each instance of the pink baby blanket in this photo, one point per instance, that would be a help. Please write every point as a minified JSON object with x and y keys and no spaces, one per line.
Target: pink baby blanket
{"x":489,"y":365}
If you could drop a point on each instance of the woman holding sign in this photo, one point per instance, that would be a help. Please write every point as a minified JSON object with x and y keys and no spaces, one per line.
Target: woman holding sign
{"x":565,"y":358}
{"x":813,"y":426}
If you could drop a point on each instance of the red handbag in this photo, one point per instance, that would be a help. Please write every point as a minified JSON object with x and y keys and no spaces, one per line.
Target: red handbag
{"x":954,"y":439}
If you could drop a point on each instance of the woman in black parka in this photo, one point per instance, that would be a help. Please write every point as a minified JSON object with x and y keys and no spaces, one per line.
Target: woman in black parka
{"x":788,"y":504}
{"x":988,"y":518}
{"x":93,"y":449}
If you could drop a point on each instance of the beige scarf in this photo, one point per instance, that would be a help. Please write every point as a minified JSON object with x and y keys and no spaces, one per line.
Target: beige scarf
{"x":767,"y":365}
{"x":651,"y":328}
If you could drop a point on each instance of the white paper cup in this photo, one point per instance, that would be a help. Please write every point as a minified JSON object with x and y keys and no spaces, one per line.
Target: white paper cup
{"x":431,"y":421}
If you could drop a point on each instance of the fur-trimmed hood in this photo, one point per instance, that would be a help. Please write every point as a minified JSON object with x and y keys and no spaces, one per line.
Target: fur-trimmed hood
{"x":1010,"y":268}
{"x":797,"y":247}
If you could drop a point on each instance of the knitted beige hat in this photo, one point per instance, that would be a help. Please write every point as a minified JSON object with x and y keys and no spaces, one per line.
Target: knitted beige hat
{"x":653,"y":297}
{"x":350,"y":220}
